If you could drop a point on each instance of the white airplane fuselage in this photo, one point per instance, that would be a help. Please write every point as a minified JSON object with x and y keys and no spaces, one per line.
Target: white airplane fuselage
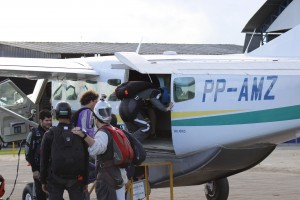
{"x":234,"y":105}
{"x":248,"y":102}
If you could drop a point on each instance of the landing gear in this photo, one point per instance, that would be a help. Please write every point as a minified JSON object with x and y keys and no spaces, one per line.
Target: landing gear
{"x":28,"y":192}
{"x":217,"y":189}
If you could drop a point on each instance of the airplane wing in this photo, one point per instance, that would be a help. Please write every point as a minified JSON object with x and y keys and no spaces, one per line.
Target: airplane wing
{"x":211,"y":65}
{"x":51,"y":69}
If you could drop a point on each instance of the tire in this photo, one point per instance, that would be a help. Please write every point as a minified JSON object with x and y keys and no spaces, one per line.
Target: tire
{"x":217,"y":190}
{"x":27,"y":192}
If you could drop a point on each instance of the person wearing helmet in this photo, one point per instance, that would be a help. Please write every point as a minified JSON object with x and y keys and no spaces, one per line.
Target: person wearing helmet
{"x":64,"y":158}
{"x":34,"y":146}
{"x":101,"y":147}
{"x":135,"y":111}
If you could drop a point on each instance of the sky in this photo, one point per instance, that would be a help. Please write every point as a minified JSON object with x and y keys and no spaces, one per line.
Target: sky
{"x":127,"y":21}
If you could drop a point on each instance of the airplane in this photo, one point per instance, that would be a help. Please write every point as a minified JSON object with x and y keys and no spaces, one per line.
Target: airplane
{"x":230,"y":111}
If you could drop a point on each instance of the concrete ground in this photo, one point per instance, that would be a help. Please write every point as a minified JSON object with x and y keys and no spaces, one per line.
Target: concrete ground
{"x":277,"y":177}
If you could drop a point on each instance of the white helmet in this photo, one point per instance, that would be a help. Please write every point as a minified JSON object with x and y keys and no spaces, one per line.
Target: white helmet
{"x":102,"y":111}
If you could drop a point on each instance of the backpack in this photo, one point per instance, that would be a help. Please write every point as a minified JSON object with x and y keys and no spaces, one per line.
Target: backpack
{"x":138,"y":149}
{"x":28,"y":148}
{"x":123,"y":152}
{"x":68,"y":153}
{"x":75,"y":116}
{"x":165,"y":97}
{"x":32,"y":141}
{"x":131,"y":88}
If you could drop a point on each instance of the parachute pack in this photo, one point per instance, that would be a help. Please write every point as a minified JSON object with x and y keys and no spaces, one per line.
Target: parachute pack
{"x":28,"y":148}
{"x":75,"y":116}
{"x":123,"y":152}
{"x":68,"y":153}
{"x":33,"y":140}
{"x":131,"y":88}
{"x":138,"y":149}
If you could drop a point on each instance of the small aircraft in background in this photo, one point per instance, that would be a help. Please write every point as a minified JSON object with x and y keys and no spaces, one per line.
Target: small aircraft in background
{"x":229,"y":114}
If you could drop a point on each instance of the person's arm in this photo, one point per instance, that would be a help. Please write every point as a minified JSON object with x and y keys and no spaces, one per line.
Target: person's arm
{"x":157,"y":104}
{"x":97,"y":145}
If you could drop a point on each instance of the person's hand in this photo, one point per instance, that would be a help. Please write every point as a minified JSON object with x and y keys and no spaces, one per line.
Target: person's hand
{"x":45,"y":188}
{"x":36,"y":175}
{"x":85,"y":187}
{"x":77,"y":131}
{"x":170,"y":106}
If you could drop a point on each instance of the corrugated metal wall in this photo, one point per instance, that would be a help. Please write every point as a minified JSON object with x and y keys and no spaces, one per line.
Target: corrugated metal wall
{"x":11,"y":51}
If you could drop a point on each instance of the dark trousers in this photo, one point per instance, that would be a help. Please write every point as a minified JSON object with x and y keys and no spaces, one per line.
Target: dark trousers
{"x":104,"y":192}
{"x":139,"y":127}
{"x":56,"y":190}
{"x":40,"y":194}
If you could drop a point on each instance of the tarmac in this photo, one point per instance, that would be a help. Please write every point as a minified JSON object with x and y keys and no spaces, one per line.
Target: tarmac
{"x":277,"y":177}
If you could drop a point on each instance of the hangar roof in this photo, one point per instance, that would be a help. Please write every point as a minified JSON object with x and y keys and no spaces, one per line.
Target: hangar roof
{"x":110,"y":48}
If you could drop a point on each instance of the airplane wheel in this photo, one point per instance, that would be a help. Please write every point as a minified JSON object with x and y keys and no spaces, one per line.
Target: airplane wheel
{"x":217,"y":190}
{"x":27,"y":192}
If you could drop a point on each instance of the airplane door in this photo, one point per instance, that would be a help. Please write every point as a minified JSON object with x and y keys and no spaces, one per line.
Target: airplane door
{"x":14,"y":106}
{"x":186,"y":103}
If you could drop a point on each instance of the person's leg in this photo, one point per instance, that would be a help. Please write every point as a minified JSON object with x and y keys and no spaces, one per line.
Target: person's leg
{"x":104,"y":192}
{"x":76,"y":191}
{"x":120,"y":193}
{"x":144,"y":128}
{"x":55,"y":191}
{"x":40,"y":194}
{"x":131,"y":127}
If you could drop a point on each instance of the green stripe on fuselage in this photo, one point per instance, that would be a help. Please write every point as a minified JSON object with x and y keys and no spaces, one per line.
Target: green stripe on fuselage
{"x":261,"y":116}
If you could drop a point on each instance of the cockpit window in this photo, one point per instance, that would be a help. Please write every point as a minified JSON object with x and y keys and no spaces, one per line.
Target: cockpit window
{"x":183,"y":89}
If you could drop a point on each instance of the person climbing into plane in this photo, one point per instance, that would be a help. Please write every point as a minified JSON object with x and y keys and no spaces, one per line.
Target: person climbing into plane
{"x":134,"y":110}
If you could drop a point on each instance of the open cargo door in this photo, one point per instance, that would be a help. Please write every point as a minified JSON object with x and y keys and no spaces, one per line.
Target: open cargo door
{"x":15,"y":110}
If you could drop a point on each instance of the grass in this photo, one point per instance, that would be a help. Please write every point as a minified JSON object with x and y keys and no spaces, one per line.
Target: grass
{"x":10,"y":151}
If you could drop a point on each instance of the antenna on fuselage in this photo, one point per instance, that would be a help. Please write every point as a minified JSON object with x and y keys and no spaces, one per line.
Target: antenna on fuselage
{"x":139,"y":46}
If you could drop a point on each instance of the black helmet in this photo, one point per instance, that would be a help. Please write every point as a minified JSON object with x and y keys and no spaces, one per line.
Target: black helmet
{"x":63,"y":110}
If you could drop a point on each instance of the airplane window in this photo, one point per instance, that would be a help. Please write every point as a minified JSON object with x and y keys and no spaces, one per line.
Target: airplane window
{"x":9,"y":96}
{"x":184,"y":89}
{"x":71,"y":93}
{"x":112,"y":84}
{"x":57,"y":95}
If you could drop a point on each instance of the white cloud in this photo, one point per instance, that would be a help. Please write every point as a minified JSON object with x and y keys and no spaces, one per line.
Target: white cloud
{"x":168,"y":21}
